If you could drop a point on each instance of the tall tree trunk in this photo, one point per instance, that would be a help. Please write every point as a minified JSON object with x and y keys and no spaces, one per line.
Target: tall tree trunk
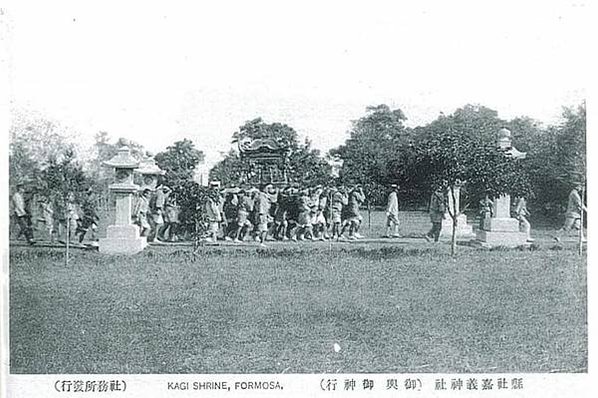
{"x":581,"y":224}
{"x":369,"y":219}
{"x":454,"y":237}
{"x":68,"y":239}
{"x":454,"y":214}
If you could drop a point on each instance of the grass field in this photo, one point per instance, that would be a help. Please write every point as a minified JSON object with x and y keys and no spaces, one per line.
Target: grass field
{"x":243,"y":310}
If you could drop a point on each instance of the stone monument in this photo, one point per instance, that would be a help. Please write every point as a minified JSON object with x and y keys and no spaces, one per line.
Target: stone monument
{"x":123,"y":237}
{"x":463,"y":229}
{"x":502,"y":229}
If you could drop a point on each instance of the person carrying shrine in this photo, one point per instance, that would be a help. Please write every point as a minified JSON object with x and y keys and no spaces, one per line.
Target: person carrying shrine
{"x":293,"y":211}
{"x":171,"y":219}
{"x":338,"y":201}
{"x":304,"y":225}
{"x":353,"y":217}
{"x":213,"y":212}
{"x":280,"y":215}
{"x":319,"y":200}
{"x":142,"y":209}
{"x":262,"y":209}
{"x":244,"y":208}
{"x":230,"y":209}
{"x":89,"y":219}
{"x":156,"y":219}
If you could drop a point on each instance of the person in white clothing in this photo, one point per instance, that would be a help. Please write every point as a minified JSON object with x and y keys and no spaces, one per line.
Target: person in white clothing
{"x":392,"y":213}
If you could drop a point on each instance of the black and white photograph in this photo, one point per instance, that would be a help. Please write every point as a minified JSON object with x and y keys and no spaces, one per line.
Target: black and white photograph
{"x":300,"y":197}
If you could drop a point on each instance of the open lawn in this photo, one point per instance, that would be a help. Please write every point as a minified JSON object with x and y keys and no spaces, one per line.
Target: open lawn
{"x":245,"y":310}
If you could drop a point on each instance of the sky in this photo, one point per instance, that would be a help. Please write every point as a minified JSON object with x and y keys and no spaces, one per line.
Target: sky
{"x":157,"y":72}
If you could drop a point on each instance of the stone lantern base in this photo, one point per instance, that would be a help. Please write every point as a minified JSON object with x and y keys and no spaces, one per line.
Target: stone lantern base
{"x":122,"y":239}
{"x":501,"y":232}
{"x":463,"y":229}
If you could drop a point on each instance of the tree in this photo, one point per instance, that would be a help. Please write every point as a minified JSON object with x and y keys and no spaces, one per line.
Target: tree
{"x":571,"y":144}
{"x":191,"y":198}
{"x":556,"y":157}
{"x":64,"y":175}
{"x":305,"y":164}
{"x":179,"y":162}
{"x":447,"y":159}
{"x":229,"y":171}
{"x":307,"y":167}
{"x":374,"y":154}
{"x":34,"y":141}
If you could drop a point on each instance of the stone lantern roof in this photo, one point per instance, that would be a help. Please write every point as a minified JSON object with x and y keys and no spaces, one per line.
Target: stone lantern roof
{"x":123,"y":159}
{"x":504,"y":142}
{"x":148,"y":166}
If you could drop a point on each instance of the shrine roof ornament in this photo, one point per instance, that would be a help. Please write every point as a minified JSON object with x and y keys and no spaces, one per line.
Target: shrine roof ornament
{"x":123,"y":159}
{"x":247,"y":145}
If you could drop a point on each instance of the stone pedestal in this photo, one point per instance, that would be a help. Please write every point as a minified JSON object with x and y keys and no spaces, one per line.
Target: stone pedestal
{"x":501,"y":230}
{"x":122,"y":239}
{"x":463,"y":229}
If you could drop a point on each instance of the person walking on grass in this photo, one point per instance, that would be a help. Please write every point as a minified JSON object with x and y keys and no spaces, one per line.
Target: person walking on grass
{"x":213,"y":213}
{"x":68,"y":218}
{"x":142,"y":209}
{"x":46,"y":216}
{"x":437,"y":211}
{"x":21,"y":214}
{"x":320,"y":199}
{"x":573,"y":214}
{"x":486,"y":210}
{"x":304,"y":225}
{"x":244,"y":226}
{"x":338,"y":201}
{"x":262,"y":208}
{"x":171,"y":218}
{"x":356,"y":199}
{"x":156,"y":219}
{"x":522,"y":214}
{"x":392,"y":213}
{"x":90,"y":219}
{"x":230,"y":208}
{"x":280,"y":215}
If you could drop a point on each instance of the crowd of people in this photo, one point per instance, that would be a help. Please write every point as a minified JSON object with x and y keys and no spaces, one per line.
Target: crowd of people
{"x":157,"y":214}
{"x":60,"y":217}
{"x":290,"y":213}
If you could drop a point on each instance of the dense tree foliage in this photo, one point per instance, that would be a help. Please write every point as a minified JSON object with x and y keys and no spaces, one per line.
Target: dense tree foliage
{"x":375,"y":153}
{"x":179,"y":161}
{"x":305,"y":165}
{"x":450,"y":158}
{"x":379,"y":150}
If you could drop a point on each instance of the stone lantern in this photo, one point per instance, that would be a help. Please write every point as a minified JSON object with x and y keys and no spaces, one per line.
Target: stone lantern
{"x":502,"y":229}
{"x":123,"y":237}
{"x":149,"y":171}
